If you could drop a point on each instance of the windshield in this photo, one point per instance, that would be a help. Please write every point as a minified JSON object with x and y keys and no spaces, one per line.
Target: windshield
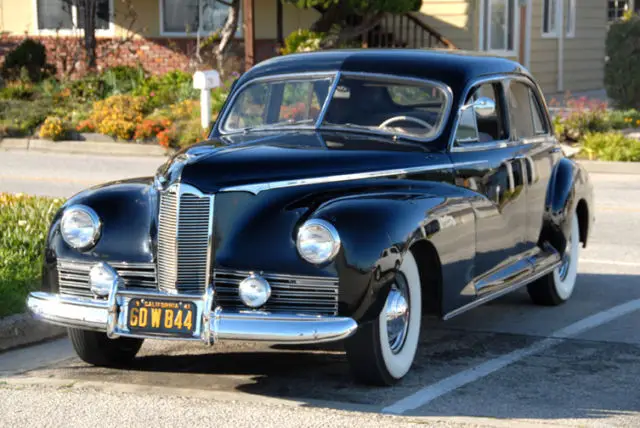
{"x":413,"y":108}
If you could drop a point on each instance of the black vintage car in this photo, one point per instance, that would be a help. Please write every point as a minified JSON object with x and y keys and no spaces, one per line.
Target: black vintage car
{"x":341,"y":196}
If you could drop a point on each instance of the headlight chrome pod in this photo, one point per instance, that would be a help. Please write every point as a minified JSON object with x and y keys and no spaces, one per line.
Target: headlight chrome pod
{"x":318,"y":241}
{"x":80,"y":227}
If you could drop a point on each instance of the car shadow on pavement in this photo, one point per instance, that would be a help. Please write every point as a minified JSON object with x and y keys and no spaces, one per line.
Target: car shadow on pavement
{"x":592,"y":376}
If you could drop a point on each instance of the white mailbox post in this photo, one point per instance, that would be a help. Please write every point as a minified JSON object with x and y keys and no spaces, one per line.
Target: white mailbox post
{"x":205,"y":81}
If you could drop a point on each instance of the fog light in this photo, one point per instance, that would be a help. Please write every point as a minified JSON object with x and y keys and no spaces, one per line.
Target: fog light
{"x":102,"y":278}
{"x":254,"y":291}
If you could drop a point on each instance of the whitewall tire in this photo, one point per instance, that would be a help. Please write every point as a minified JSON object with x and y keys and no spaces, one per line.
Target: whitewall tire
{"x":557,"y":287}
{"x":382,"y":352}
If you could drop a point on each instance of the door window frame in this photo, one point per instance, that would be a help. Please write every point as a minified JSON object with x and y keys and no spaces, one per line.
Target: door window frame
{"x":485,"y":35}
{"x":504,"y":81}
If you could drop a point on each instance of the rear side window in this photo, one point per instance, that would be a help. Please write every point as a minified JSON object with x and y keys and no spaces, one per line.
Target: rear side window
{"x":525,"y":113}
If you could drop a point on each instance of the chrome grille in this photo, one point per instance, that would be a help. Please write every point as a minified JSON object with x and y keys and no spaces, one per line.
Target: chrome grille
{"x":184,"y":232}
{"x":289,"y":294}
{"x":73,"y":276}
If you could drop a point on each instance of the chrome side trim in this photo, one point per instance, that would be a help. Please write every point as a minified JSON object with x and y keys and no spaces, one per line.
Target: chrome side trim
{"x":542,"y":267}
{"x":261,"y":187}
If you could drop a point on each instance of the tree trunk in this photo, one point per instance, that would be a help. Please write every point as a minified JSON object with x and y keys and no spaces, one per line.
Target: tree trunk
{"x":347,"y":34}
{"x":334,"y":14}
{"x":90,"y":13}
{"x":226,"y":36}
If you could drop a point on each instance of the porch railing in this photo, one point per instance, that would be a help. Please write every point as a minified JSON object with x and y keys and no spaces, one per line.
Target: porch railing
{"x":403,"y":31}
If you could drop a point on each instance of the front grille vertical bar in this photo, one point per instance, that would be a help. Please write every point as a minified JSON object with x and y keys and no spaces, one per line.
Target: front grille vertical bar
{"x":209,"y":273}
{"x":167,"y":257}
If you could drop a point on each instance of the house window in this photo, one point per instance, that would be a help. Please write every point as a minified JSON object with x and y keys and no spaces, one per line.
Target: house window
{"x":500,"y":22}
{"x":68,"y":15}
{"x":550,"y":15}
{"x":192,"y":16}
{"x":570,"y":19}
{"x":617,"y":8}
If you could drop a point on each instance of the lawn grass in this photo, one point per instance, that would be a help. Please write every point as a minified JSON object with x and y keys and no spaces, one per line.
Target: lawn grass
{"x":24,"y":221}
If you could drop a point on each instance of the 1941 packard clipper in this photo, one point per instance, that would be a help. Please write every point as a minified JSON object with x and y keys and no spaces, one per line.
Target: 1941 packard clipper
{"x":341,"y":196}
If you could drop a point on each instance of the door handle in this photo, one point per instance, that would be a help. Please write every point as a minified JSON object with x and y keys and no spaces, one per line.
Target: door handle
{"x":556,"y":149}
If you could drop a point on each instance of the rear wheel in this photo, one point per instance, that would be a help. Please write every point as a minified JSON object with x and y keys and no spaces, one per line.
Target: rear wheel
{"x":557,"y":287}
{"x":97,"y":349}
{"x":382,"y":352}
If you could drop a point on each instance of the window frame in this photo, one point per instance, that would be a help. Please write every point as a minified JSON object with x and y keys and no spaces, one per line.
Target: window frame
{"x":238,"y":35}
{"x":504,"y":81}
{"x":337,"y":74}
{"x":485,"y":29}
{"x":569,"y":12}
{"x":534,"y":102}
{"x":110,"y":32}
{"x":547,"y":33}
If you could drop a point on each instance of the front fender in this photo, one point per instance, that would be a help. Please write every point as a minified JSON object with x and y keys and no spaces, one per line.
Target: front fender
{"x":377,"y":230}
{"x":569,"y":184}
{"x":127,"y":210}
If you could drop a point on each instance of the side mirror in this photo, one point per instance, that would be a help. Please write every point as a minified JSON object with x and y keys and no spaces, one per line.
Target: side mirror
{"x":484,"y":107}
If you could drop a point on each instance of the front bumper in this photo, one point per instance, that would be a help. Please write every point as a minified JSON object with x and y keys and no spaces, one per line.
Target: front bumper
{"x":212,"y":325}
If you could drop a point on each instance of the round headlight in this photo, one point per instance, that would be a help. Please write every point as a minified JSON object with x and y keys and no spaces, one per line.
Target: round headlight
{"x":318,"y":241}
{"x":80,"y":227}
{"x":254,"y":291}
{"x":101,"y":278}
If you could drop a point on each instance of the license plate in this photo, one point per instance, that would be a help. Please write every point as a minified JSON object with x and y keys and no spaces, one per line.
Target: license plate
{"x":161,"y":316}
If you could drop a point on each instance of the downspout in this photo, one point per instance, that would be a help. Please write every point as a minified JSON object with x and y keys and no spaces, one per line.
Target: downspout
{"x":527,"y":49}
{"x":560,"y":27}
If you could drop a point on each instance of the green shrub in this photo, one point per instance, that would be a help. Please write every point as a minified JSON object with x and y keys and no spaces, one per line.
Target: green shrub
{"x":622,"y":70}
{"x":170,"y":88}
{"x":302,"y":41}
{"x":581,"y":116}
{"x":24,"y":221}
{"x":21,"y":118}
{"x":18,"y":90}
{"x":89,"y":89}
{"x":611,"y":146}
{"x":31,"y":56}
{"x":622,"y":119}
{"x":123,"y":79}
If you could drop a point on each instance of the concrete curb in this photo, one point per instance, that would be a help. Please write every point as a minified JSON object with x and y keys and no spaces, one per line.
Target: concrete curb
{"x":603,"y":167}
{"x":82,"y":147}
{"x":23,"y":329}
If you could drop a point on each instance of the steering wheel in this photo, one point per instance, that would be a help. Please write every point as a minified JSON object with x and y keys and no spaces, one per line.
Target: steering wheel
{"x":420,"y":122}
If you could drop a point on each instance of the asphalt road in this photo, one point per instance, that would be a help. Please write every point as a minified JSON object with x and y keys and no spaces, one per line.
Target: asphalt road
{"x":506,"y":364}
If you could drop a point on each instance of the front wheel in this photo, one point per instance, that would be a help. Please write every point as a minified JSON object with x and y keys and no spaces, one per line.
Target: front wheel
{"x":382,"y":352}
{"x":557,"y":287}
{"x":97,"y":349}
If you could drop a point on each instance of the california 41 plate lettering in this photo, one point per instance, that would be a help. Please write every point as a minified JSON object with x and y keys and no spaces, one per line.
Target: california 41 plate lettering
{"x":161,"y":316}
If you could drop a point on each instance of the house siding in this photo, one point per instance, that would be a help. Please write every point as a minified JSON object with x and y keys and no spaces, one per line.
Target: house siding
{"x":456,"y":20}
{"x":583,"y":54}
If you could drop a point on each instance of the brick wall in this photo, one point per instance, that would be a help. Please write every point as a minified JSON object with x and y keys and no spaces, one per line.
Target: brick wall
{"x":156,"y":55}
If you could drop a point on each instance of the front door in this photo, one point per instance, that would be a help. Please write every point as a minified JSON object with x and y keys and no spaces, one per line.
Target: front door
{"x":501,"y":205}
{"x":538,"y":152}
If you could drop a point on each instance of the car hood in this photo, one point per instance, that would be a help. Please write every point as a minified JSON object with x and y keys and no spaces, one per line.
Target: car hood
{"x":267,"y":157}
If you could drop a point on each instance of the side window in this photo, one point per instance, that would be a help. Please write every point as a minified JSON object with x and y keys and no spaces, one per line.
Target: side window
{"x":524,"y":112}
{"x":482,"y":128}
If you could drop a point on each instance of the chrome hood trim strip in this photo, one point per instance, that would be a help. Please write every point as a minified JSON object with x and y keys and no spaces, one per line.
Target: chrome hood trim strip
{"x":256,"y":188}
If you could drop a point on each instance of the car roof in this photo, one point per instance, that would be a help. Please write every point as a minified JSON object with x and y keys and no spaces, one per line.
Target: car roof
{"x":453,"y":67}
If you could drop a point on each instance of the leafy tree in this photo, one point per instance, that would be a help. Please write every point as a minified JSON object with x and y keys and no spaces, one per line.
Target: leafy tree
{"x":336,"y":19}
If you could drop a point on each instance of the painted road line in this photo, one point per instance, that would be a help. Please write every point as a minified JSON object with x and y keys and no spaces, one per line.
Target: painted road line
{"x":451,"y":383}
{"x":610,"y":262}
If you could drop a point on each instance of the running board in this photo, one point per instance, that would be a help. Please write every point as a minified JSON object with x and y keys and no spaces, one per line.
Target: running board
{"x":542,"y":266}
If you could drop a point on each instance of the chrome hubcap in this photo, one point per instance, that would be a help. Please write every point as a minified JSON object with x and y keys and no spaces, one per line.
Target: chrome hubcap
{"x":566,"y":261}
{"x":396,"y":312}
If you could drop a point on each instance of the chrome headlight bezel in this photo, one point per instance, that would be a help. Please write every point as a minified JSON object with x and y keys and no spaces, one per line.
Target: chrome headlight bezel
{"x":303,"y":241}
{"x":96,"y":227}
